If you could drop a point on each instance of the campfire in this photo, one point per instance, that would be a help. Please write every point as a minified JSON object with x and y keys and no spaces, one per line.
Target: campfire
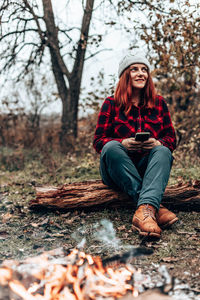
{"x":74,"y":276}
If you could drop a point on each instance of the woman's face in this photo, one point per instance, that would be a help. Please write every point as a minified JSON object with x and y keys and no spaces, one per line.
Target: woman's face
{"x":139,"y":75}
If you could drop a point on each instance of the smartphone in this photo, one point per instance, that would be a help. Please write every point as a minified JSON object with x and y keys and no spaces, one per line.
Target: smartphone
{"x":142,"y":136}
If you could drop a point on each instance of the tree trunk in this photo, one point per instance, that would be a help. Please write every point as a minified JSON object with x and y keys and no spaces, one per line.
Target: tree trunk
{"x":77,"y":71}
{"x":93,"y":193}
{"x":59,"y":68}
{"x":69,"y":95}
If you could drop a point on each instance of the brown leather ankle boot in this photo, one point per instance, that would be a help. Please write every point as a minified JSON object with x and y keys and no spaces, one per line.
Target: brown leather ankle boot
{"x":144,"y":221}
{"x":165,"y":218}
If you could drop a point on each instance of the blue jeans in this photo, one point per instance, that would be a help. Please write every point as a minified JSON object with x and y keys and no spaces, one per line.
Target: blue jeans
{"x":144,"y":180}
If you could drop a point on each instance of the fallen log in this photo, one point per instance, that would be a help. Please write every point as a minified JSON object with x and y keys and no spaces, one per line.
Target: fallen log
{"x":92,"y":193}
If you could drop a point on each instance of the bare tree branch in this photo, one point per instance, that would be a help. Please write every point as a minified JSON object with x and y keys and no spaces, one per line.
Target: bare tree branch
{"x":13,"y":33}
{"x":97,"y":52}
{"x":52,"y":35}
{"x":80,"y":54}
{"x":35,"y":18}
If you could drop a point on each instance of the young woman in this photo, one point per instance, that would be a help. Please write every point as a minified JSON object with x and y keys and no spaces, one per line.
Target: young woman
{"x":139,"y":168}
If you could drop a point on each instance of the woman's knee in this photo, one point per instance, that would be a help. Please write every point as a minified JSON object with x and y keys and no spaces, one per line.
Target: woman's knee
{"x":113,"y":149}
{"x":162,"y":152}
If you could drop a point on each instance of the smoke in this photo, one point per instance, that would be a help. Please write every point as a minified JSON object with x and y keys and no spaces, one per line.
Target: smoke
{"x":104,"y":233}
{"x":101,"y":236}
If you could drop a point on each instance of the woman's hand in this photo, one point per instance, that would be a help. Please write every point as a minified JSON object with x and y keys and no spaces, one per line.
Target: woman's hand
{"x":150,"y":144}
{"x":131,"y":144}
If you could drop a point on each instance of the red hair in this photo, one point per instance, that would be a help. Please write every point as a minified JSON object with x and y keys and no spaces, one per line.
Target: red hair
{"x":124,"y":92}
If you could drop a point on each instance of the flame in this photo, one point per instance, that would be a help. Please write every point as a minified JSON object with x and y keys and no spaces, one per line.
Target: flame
{"x":5,"y":276}
{"x":78,"y":277}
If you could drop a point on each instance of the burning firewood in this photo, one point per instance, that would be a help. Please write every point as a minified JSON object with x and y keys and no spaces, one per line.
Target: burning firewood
{"x":57,"y":276}
{"x":91,"y":193}
{"x":62,"y":275}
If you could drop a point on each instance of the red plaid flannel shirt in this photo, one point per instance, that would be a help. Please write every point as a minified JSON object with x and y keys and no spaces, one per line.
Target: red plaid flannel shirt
{"x":113,"y":124}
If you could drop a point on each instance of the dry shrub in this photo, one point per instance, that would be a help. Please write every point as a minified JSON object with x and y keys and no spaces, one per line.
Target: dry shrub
{"x":18,"y":131}
{"x":86,"y":129}
{"x":12,"y":160}
{"x":187,"y":124}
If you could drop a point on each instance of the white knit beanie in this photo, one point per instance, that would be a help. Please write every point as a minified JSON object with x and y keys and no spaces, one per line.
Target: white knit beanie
{"x":130,"y":59}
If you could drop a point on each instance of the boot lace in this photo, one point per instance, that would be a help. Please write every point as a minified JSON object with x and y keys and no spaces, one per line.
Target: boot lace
{"x":148,"y":212}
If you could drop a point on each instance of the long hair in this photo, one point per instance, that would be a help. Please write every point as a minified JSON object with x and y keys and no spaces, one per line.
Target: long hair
{"x":124,"y":92}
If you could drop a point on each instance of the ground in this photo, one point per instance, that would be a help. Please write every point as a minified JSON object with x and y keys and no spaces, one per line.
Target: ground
{"x":104,"y":232}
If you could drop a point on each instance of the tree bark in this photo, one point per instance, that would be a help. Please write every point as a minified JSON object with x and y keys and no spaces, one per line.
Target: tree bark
{"x":77,"y":71}
{"x":69,"y":94}
{"x":58,"y":66}
{"x":93,"y":193}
